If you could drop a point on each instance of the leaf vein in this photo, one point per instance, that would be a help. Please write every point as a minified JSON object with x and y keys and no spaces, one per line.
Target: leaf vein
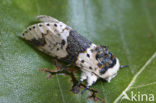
{"x":135,"y":77}
{"x":144,"y":85}
{"x":60,"y":89}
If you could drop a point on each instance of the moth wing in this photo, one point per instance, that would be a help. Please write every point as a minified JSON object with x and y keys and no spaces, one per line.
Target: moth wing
{"x":44,"y":18}
{"x":49,"y":36}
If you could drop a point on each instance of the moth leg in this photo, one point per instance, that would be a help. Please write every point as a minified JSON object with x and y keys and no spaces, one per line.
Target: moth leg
{"x":91,"y":79}
{"x":47,"y":71}
{"x":59,"y":66}
{"x":78,"y":84}
{"x":85,"y":89}
{"x":44,"y":18}
{"x":83,"y":77}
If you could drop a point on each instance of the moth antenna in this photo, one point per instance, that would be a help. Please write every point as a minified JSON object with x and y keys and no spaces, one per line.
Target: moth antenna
{"x":123,"y":66}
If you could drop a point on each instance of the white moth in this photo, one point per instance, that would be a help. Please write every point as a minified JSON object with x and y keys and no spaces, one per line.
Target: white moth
{"x":59,"y":40}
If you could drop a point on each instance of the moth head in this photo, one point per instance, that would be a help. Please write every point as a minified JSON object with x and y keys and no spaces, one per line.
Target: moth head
{"x":108,"y":64}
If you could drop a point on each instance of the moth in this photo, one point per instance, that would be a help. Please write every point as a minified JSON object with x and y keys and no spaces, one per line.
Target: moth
{"x":58,"y":40}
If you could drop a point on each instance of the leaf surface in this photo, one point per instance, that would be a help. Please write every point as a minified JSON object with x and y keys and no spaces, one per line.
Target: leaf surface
{"x":126,"y":26}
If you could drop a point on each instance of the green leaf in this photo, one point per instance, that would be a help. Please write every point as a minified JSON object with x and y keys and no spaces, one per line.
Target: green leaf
{"x":126,"y":26}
